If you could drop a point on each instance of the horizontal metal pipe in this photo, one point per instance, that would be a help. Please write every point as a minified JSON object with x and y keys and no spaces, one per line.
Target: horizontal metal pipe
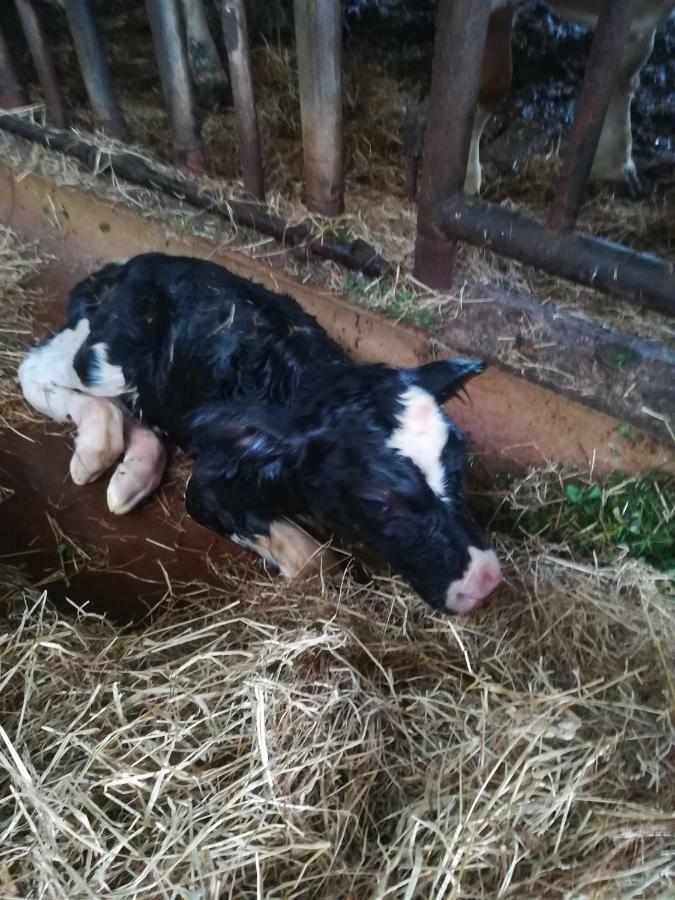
{"x":582,"y":258}
{"x":357,"y":254}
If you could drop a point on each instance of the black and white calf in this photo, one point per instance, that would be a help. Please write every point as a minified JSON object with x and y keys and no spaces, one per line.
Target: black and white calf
{"x":287,"y":433}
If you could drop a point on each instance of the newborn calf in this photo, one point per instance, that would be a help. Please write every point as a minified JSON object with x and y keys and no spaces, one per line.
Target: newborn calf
{"x":289,"y":436}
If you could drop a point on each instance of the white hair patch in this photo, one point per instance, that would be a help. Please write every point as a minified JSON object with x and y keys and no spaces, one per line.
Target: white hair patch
{"x":106,"y":379}
{"x":49,"y":368}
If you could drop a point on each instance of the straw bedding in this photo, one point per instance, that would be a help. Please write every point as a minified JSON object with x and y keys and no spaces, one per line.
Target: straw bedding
{"x":335,"y":739}
{"x":260,"y":741}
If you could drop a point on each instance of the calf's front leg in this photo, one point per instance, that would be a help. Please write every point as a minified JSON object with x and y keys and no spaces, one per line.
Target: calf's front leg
{"x":224,"y":505}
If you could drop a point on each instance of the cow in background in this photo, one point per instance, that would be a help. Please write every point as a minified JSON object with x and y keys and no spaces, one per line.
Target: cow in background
{"x":614,"y":156}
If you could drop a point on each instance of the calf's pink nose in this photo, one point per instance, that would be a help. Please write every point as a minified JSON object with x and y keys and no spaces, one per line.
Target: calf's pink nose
{"x":482,"y":576}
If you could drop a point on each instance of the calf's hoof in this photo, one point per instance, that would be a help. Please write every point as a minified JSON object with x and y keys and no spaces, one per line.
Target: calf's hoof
{"x":473,"y":180}
{"x":141,"y":470}
{"x":618,"y":171}
{"x":99,"y":442}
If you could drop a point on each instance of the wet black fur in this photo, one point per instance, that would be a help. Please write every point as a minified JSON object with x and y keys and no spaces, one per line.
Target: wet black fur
{"x":279,"y":420}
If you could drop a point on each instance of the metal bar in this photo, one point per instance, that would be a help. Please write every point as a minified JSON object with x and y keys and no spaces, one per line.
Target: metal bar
{"x":461,"y":30}
{"x":412,"y":170}
{"x":91,"y":54}
{"x":42,"y":58}
{"x":318,"y":38}
{"x":583,"y":258}
{"x":169,"y":39}
{"x":235,"y":31}
{"x":602,"y":70}
{"x":11,"y":94}
{"x":413,"y":142}
{"x":357,"y":254}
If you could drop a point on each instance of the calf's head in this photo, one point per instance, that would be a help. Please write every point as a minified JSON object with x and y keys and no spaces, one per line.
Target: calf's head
{"x":375,"y":458}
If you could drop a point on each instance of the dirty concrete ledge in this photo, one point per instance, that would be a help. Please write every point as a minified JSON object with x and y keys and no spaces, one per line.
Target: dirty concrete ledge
{"x":513,"y":423}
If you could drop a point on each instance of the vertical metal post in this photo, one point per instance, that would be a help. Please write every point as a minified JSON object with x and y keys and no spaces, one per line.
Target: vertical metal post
{"x":461,"y":29}
{"x":235,"y":31}
{"x":318,"y":37}
{"x":54,"y":102}
{"x":168,"y":35}
{"x":602,"y":70}
{"x":11,"y":94}
{"x":92,"y":57}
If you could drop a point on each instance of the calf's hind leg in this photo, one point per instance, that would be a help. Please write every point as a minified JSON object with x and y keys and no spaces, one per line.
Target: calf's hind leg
{"x":50,"y":386}
{"x":141,"y":470}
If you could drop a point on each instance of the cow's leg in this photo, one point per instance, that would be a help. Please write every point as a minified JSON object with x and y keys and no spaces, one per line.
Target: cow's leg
{"x":494,"y":86}
{"x":141,"y":470}
{"x":614,"y":156}
{"x":225,"y":506}
{"x":208,"y":75}
{"x":474,"y":174}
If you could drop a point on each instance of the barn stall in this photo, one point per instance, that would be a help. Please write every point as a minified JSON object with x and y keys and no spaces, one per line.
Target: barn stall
{"x":178,"y":723}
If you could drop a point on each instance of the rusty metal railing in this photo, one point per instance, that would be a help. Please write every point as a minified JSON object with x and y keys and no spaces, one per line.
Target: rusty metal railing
{"x":93,"y":60}
{"x":446,"y":216}
{"x":44,"y":64}
{"x":318,"y":33}
{"x":235,"y":30}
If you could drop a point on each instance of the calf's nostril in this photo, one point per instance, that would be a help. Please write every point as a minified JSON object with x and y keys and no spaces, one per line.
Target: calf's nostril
{"x":483,"y":576}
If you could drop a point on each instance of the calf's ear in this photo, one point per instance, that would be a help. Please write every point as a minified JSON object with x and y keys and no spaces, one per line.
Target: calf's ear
{"x":446,"y":377}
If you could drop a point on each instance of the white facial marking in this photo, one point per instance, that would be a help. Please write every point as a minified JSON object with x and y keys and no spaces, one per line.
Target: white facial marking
{"x":421,"y":436}
{"x":107,"y":380}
